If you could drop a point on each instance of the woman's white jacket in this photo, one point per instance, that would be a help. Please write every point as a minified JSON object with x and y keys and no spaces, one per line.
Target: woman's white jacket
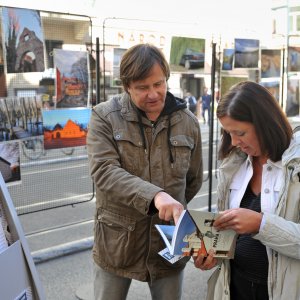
{"x":280,"y":233}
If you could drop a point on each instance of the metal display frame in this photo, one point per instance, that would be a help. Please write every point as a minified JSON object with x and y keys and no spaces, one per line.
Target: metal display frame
{"x":17,"y":272}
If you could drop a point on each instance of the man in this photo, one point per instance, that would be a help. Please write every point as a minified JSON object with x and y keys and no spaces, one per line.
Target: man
{"x":145,"y":158}
{"x":205,"y":100}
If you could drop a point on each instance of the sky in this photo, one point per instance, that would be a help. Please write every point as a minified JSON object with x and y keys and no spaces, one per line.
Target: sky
{"x":24,"y":17}
{"x":215,"y":16}
{"x":61,"y":116}
{"x":64,"y":60}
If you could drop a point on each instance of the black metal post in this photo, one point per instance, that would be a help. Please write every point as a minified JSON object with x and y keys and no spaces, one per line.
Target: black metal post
{"x":282,"y":76}
{"x":211,"y":125}
{"x":103,"y":38}
{"x":98,"y":73}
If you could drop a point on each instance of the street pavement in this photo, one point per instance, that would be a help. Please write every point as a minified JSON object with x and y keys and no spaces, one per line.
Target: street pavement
{"x":65,"y":267}
{"x":60,"y":241}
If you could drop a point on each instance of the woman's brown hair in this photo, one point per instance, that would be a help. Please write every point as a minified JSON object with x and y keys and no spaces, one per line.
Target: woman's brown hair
{"x":250,"y":102}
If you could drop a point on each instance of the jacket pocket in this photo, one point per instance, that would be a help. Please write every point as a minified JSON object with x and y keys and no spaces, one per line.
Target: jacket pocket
{"x":131,"y":151}
{"x":182,"y":149}
{"x":115,"y":238}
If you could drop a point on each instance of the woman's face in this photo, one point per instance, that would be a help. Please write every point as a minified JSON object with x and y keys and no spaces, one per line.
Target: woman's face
{"x":242,"y":134}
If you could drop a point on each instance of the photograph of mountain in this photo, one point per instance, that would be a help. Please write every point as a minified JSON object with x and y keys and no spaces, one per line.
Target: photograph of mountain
{"x":228,"y":55}
{"x":246,"y":53}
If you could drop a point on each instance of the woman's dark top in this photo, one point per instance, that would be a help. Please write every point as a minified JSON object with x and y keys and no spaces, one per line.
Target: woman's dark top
{"x":250,"y":259}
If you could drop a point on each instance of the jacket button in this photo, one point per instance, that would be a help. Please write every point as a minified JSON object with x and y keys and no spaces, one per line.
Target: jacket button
{"x":226,"y":292}
{"x":130,"y":227}
{"x":267,"y":191}
{"x":118,"y":136}
{"x":269,"y":168}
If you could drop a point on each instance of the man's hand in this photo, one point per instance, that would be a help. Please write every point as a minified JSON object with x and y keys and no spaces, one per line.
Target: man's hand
{"x":168,"y":207}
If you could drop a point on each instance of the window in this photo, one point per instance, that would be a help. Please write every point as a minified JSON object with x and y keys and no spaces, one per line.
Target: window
{"x":298,"y":23}
{"x":50,"y":45}
{"x":25,"y":93}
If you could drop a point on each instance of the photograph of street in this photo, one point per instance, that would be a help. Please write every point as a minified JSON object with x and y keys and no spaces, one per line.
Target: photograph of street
{"x":72,"y":78}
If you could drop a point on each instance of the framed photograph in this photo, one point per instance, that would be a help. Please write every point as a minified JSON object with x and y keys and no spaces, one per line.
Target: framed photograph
{"x":3,"y":87}
{"x":65,"y":127}
{"x":72,"y":78}
{"x":273,"y":87}
{"x":270,"y":63}
{"x":228,"y":55}
{"x":10,"y":161}
{"x":20,"y":118}
{"x":24,"y":40}
{"x":187,"y":54}
{"x":293,"y":98}
{"x":118,"y":53}
{"x":228,"y":81}
{"x":246,"y":53}
{"x":294,"y":59}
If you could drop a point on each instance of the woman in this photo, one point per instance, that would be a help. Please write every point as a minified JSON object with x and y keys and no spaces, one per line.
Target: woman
{"x":259,"y":198}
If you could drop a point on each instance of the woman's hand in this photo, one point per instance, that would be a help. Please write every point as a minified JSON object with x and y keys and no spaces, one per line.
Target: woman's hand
{"x":241,"y":220}
{"x":205,"y":263}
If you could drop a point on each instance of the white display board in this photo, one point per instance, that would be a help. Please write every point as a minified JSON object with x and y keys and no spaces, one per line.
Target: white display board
{"x":18,"y":276}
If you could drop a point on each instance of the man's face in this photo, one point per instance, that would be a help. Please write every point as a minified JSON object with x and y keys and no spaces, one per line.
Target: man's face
{"x":149,"y":94}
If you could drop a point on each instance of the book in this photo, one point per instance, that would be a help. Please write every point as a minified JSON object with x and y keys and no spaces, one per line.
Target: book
{"x":194,"y":234}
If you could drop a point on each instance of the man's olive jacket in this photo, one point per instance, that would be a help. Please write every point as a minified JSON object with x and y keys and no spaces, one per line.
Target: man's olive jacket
{"x":130,"y":161}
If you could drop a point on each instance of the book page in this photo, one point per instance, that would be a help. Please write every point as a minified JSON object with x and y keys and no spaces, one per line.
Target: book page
{"x":166,"y":232}
{"x":184,"y":227}
{"x":176,"y":237}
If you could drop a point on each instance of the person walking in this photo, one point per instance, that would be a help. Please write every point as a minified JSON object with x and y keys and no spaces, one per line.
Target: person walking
{"x":258,"y":197}
{"x":191,"y":102}
{"x":205,"y":101}
{"x":145,"y":158}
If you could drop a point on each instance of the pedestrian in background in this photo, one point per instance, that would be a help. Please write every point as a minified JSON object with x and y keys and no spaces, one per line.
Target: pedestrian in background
{"x":205,"y":101}
{"x":145,"y":158}
{"x":259,"y":198}
{"x":191,"y":102}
